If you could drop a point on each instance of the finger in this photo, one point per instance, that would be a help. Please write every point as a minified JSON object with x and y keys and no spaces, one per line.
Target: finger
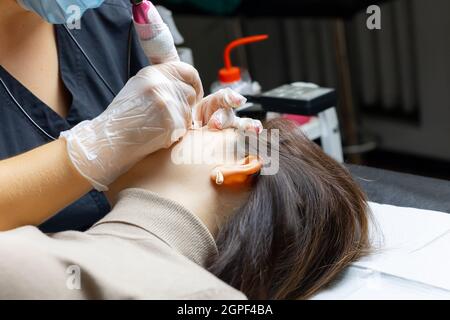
{"x":223,"y":119}
{"x":224,"y":98}
{"x":178,"y":93}
{"x":190,"y":76}
{"x":247,"y":124}
{"x":189,"y":96}
{"x":189,"y":93}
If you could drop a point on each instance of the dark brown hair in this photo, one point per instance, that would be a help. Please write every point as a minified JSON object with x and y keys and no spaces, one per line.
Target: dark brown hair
{"x":299,"y":228}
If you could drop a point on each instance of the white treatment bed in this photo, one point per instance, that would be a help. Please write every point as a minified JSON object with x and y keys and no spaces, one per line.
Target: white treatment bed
{"x":411,"y":258}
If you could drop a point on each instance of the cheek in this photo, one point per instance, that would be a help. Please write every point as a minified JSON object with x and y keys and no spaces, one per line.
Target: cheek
{"x":208,"y":147}
{"x":226,"y":151}
{"x":222,"y":156}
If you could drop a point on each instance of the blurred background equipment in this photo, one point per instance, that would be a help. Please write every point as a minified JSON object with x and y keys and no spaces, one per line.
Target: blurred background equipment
{"x":393,"y":84}
{"x":235,"y":77}
{"x":311,"y":107}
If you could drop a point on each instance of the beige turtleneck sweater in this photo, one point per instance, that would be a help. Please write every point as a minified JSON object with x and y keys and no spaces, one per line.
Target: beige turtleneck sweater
{"x":147,"y":247}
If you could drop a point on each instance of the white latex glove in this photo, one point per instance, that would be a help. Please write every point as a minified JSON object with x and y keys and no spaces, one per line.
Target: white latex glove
{"x":216,"y":111}
{"x":225,"y":118}
{"x":151,"y":112}
{"x":224,"y":98}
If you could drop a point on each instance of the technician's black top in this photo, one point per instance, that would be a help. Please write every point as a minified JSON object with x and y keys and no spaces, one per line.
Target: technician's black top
{"x":104,"y":37}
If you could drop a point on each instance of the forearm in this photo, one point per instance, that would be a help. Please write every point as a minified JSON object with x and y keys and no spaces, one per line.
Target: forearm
{"x":37,"y":184}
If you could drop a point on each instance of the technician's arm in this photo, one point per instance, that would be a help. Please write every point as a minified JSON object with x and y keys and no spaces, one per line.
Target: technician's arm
{"x":151,"y":112}
{"x":37,"y":184}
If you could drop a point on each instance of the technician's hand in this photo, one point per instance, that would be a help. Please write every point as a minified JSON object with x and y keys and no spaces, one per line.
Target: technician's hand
{"x":152,"y":112}
{"x":216,"y":111}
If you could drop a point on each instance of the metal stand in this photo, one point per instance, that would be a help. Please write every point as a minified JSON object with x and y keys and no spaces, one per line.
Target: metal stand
{"x":326,"y":128}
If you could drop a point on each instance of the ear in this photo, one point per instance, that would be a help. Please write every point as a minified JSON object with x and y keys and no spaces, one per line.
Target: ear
{"x":236,"y":174}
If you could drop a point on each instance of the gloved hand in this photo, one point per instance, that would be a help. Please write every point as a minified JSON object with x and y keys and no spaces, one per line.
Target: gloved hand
{"x":216,"y":111}
{"x":151,"y":112}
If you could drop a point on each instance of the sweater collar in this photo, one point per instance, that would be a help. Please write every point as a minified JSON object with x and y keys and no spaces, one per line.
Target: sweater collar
{"x":178,"y":227}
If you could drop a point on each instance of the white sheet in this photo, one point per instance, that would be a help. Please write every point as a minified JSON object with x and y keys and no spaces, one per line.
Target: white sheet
{"x":411,"y":261}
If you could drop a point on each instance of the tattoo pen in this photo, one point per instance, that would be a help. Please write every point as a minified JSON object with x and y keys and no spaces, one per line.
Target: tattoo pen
{"x":154,"y":35}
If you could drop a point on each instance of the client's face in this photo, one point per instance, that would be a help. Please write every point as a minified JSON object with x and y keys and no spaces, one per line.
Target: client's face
{"x":207,"y":148}
{"x":191,"y":163}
